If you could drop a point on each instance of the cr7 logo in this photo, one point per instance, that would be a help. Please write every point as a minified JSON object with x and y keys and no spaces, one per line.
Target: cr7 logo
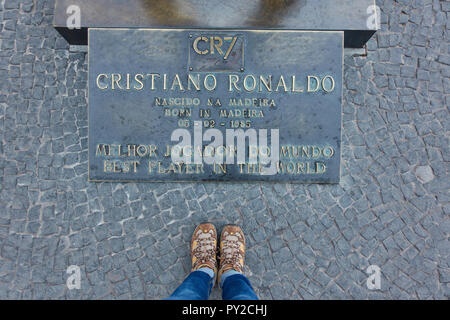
{"x":210,"y":45}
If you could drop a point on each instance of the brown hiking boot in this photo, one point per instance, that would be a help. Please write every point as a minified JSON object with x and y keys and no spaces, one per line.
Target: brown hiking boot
{"x":204,"y":247}
{"x":232,"y":249}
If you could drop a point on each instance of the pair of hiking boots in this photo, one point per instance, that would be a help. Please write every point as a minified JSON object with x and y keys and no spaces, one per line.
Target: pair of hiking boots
{"x":231,"y":249}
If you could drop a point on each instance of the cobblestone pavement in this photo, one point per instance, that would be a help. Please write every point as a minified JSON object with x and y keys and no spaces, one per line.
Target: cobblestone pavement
{"x":131,"y":240}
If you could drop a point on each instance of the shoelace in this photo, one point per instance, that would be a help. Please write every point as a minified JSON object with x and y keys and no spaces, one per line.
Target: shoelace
{"x":231,"y":257}
{"x":205,"y":250}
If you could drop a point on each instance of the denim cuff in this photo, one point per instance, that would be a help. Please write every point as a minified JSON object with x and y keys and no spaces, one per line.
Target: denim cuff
{"x":209,"y":271}
{"x":227,"y":274}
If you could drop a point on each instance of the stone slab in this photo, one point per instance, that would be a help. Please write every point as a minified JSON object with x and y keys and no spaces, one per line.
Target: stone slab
{"x":351,"y":16}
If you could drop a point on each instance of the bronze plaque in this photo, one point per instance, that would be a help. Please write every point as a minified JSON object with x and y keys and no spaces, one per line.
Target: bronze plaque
{"x":215,"y":105}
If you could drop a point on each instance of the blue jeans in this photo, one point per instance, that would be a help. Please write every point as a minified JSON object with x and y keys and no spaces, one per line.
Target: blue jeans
{"x":198,"y":285}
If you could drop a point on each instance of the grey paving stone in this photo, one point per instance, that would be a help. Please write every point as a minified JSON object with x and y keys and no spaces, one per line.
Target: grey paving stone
{"x":131,"y":240}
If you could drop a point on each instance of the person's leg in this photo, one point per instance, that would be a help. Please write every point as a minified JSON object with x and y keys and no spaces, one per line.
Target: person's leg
{"x":198,"y":285}
{"x":235,"y":286}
